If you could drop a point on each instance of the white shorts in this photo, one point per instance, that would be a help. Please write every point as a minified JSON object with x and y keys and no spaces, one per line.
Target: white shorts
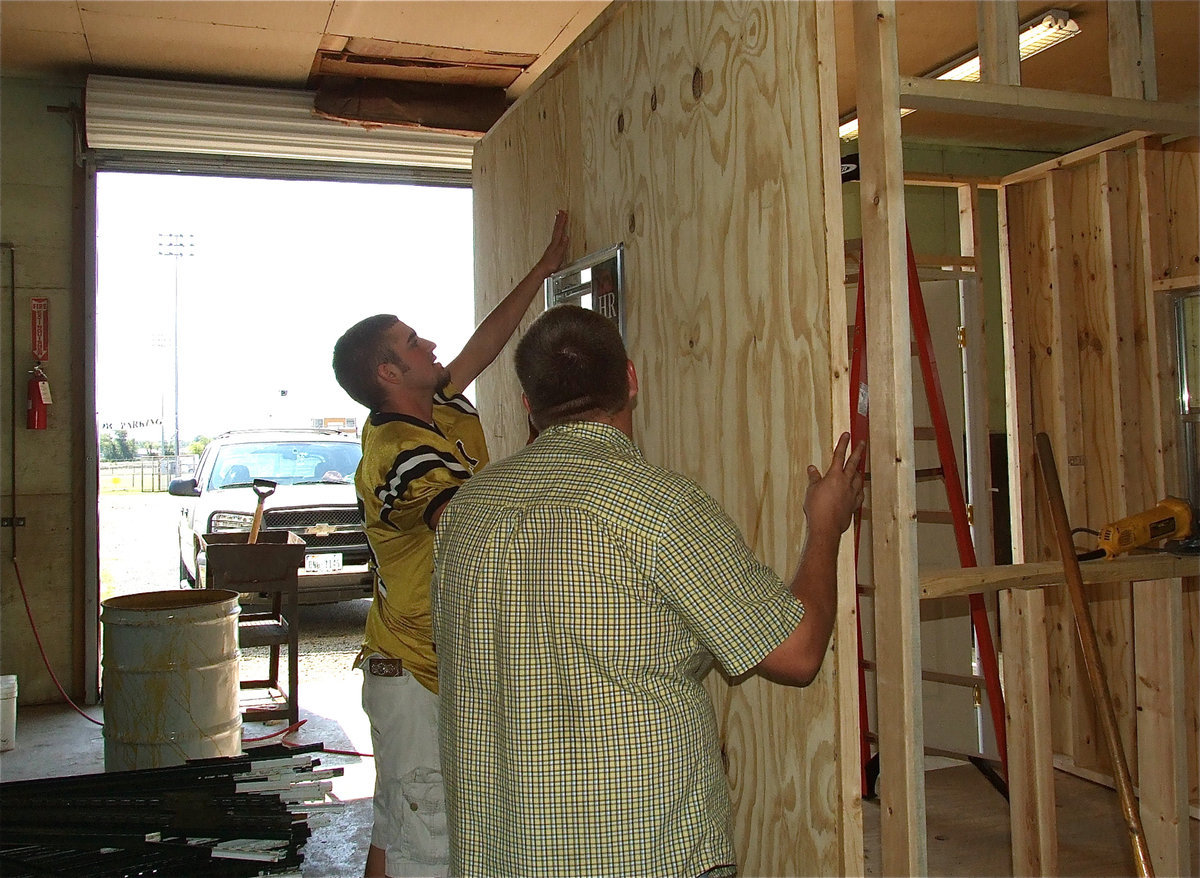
{"x":410,"y":801}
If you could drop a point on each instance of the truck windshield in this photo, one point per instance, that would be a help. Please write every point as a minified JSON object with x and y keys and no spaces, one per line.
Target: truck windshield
{"x":290,"y":463}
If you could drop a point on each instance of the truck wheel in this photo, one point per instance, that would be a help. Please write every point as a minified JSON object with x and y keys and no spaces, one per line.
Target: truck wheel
{"x":186,"y":580}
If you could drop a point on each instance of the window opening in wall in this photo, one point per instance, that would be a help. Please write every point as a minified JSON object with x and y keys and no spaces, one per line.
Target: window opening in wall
{"x":218,"y":303}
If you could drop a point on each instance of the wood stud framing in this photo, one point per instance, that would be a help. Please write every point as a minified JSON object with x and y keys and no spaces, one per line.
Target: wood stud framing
{"x":1084,"y":269}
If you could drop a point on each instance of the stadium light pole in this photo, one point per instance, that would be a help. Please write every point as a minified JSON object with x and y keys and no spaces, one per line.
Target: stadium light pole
{"x":176,"y":245}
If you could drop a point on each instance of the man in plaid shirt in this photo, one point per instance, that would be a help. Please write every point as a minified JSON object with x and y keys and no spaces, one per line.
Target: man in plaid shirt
{"x":580,"y":595}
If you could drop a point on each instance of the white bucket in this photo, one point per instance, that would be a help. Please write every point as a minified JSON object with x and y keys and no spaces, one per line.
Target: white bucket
{"x":8,"y":711}
{"x":171,"y":689}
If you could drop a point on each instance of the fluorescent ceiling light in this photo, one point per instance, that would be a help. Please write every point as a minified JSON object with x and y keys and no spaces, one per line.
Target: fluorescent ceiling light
{"x":1036,"y":35}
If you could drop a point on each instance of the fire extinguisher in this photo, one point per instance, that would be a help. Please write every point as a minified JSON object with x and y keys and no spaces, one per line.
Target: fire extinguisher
{"x":38,"y":400}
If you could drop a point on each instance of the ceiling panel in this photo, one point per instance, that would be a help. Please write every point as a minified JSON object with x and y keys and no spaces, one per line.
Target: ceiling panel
{"x":303,"y":16}
{"x":60,"y":16}
{"x":42,"y":52}
{"x":499,"y":25}
{"x":148,"y":47}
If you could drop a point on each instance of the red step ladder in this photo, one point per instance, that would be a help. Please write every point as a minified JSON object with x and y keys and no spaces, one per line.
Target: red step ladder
{"x":949,"y":475}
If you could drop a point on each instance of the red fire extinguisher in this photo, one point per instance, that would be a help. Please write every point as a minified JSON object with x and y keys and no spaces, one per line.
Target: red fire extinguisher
{"x":38,"y":400}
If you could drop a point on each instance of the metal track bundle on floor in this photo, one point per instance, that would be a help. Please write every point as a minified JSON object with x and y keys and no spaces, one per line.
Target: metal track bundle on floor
{"x":233,"y":816}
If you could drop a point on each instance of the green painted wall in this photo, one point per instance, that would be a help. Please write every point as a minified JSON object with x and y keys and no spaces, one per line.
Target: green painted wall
{"x":41,"y":209}
{"x":933,"y":224}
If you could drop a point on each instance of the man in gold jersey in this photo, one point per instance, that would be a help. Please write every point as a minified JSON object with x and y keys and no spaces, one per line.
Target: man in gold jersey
{"x":421,"y":441}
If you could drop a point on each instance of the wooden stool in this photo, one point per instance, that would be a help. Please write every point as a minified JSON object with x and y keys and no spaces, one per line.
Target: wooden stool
{"x":268,"y":566}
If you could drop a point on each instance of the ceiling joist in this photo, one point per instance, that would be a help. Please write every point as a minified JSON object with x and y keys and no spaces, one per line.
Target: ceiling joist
{"x":1045,"y":105}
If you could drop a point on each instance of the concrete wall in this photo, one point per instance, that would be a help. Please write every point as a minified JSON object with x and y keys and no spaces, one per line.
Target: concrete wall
{"x":42,"y":195}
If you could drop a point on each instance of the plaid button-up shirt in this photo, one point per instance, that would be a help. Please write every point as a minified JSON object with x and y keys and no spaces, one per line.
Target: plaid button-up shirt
{"x":580,"y":595}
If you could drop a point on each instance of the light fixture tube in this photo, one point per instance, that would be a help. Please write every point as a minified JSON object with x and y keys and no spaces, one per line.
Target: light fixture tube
{"x":1036,"y":35}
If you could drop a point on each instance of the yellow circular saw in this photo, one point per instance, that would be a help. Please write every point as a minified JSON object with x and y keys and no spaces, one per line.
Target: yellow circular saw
{"x":1170,"y":519}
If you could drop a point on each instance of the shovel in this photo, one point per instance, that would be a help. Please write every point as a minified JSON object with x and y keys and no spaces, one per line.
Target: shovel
{"x":264,"y":488}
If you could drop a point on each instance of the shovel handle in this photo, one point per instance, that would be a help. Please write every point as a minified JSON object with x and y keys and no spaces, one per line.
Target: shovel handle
{"x":1105,"y":711}
{"x":264,"y":488}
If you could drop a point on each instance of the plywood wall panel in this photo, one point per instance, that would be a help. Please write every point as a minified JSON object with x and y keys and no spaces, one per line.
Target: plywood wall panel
{"x":691,"y":133}
{"x":1182,"y":179}
{"x":520,"y":178}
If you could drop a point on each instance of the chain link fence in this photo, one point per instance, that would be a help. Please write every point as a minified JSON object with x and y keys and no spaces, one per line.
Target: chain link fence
{"x":145,"y":475}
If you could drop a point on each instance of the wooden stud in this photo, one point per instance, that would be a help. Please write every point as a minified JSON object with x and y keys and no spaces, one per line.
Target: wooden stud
{"x":1161,"y":733}
{"x":1101,"y":307}
{"x":1158,"y":612}
{"x":1161,"y":375}
{"x":1027,"y":690}
{"x":1060,"y":414}
{"x":1131,"y":66}
{"x":845,"y":642}
{"x":999,"y":51}
{"x":1181,"y":173}
{"x":1030,"y":755}
{"x":893,"y":531}
{"x":975,"y":379}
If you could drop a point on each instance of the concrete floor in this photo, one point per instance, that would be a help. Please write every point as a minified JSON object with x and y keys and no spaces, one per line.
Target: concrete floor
{"x":967,"y":827}
{"x":55,"y":741}
{"x":967,"y":820}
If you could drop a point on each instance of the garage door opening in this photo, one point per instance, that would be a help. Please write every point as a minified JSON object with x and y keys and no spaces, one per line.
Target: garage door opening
{"x":218,"y":303}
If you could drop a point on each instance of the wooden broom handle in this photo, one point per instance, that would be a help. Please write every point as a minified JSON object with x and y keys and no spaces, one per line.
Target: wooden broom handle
{"x":1091,"y":657}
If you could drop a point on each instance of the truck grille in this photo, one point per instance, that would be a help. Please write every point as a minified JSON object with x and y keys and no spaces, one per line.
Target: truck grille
{"x":323,"y":528}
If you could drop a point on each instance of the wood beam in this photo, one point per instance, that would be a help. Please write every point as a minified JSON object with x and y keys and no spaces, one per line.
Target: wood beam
{"x":1158,"y":613}
{"x":999,"y":48}
{"x":845,"y":644}
{"x":1161,"y":729}
{"x":975,"y":379}
{"x":1039,"y":574}
{"x":1084,"y":154}
{"x":1032,"y":814}
{"x":893,"y":484}
{"x":1031,"y":798}
{"x":1131,"y":67}
{"x":1045,"y":105}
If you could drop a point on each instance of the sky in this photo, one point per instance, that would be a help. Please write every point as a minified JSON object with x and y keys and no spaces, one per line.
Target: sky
{"x":276,"y":270}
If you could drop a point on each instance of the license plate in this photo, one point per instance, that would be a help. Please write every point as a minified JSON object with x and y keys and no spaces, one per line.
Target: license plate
{"x":330,"y":562}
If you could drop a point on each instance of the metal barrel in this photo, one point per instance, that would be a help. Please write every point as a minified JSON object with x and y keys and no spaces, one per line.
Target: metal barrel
{"x":8,"y":711}
{"x":170,"y":683}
